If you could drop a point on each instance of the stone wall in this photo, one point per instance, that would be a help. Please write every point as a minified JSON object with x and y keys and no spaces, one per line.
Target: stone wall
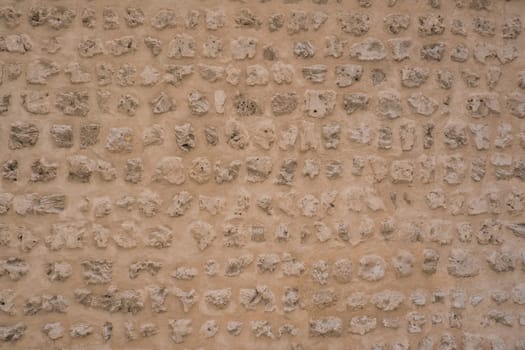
{"x":276,"y":174}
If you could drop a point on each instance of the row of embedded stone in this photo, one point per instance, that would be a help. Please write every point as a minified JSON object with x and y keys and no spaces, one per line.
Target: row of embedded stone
{"x":262,"y":298}
{"x":259,"y":297}
{"x":452,"y":168}
{"x":181,"y":329}
{"x":264,"y":134}
{"x":462,"y":263}
{"x":356,"y":23}
{"x":305,"y":136}
{"x":126,"y":75}
{"x":131,"y":301}
{"x":128,"y":233}
{"x":316,"y":104}
{"x":358,"y":199}
{"x":242,"y":48}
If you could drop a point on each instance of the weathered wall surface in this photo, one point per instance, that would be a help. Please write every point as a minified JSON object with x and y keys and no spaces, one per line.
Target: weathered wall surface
{"x":262,"y":174}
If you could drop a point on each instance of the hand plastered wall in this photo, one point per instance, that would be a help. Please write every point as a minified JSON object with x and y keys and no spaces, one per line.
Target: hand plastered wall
{"x":262,"y":174}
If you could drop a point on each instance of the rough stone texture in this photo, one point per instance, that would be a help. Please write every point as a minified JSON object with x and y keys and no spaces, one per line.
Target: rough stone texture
{"x":273,"y":174}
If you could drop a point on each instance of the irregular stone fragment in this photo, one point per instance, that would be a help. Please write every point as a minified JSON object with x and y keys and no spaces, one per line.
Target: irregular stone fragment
{"x":219,"y":298}
{"x":389,"y":104}
{"x":243,"y":48}
{"x":22,"y":135}
{"x":121,"y":46}
{"x":348,"y":74}
{"x":175,"y":73}
{"x":159,"y":236}
{"x":215,"y":73}
{"x":80,"y":168}
{"x":134,"y":17}
{"x":6,"y":200}
{"x":53,"y":330}
{"x":258,"y":168}
{"x":362,"y":325}
{"x":58,"y":271}
{"x":164,"y":18}
{"x":7,"y":301}
{"x":516,"y":104}
{"x":119,"y":140}
{"x":14,"y":268}
{"x":275,"y":21}
{"x":481,"y":105}
{"x":371,"y":267}
{"x":355,"y":101}
{"x":445,"y":79}
{"x":462,"y":264}
{"x":97,"y":271}
{"x":90,"y":47}
{"x":403,"y":263}
{"x":325,"y":327}
{"x":484,"y":26}
{"x":200,"y":170}
{"x":370,"y":49}
{"x":198,"y":103}
{"x":74,"y":103}
{"x":10,"y":16}
{"x":43,"y":170}
{"x":414,"y":76}
{"x":110,"y":18}
{"x":12,"y":333}
{"x":470,"y":78}
{"x":214,"y":19}
{"x":353,"y":23}
{"x":212,"y":47}
{"x":433,"y":51}
{"x":284,"y":103}
{"x":262,"y":328}
{"x":134,"y":169}
{"x":89,"y":135}
{"x":303,"y":49}
{"x":501,"y":261}
{"x":76,"y":74}
{"x":396,"y":23}
{"x":282,"y":73}
{"x":455,"y":134}
{"x":400,"y":48}
{"x":431,"y":24}
{"x":148,"y":203}
{"x":103,"y":99}
{"x":149,"y":266}
{"x":153,"y":44}
{"x":422,"y":104}
{"x":162,"y":104}
{"x":62,"y":135}
{"x":40,"y":70}
{"x":315,"y":73}
{"x":430,"y":262}
{"x":36,"y":102}
{"x":182,"y":46}
{"x":203,"y":233}
{"x":128,"y":104}
{"x":125,"y":75}
{"x":102,"y":206}
{"x":319,"y":103}
{"x":46,"y":303}
{"x":342,"y":270}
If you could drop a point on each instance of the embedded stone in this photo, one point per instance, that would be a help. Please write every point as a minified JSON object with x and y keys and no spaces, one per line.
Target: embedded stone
{"x":74,"y":103}
{"x":22,"y":135}
{"x":370,"y":49}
